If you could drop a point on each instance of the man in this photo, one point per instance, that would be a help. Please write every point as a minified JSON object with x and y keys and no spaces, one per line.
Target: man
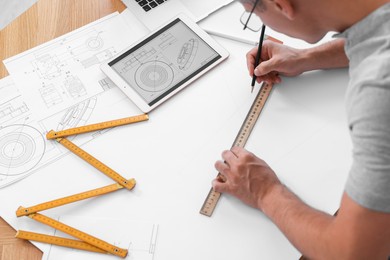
{"x":361,"y":229}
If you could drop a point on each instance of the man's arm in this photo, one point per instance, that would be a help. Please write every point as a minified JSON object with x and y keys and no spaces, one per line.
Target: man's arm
{"x":355,"y":233}
{"x":278,"y":59}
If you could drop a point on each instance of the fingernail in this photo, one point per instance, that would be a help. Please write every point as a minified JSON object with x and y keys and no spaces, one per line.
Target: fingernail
{"x":256,"y":72}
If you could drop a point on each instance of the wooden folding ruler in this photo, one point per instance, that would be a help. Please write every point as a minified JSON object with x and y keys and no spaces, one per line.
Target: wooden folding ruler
{"x":86,"y":242}
{"x":242,"y":137}
{"x":60,"y":138}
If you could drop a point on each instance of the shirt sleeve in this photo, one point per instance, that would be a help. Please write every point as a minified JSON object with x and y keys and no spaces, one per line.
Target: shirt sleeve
{"x":368,"y":183}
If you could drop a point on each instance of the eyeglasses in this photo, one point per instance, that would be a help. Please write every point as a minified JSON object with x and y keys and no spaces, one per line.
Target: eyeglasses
{"x":254,"y":24}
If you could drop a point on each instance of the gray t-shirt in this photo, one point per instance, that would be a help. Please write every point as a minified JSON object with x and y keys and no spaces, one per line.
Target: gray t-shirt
{"x":368,"y":109}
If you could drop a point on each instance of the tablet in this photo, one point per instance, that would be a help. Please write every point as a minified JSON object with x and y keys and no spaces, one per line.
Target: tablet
{"x":164,"y":62}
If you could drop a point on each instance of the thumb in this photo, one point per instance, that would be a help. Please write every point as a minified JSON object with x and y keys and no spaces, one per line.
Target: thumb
{"x":264,"y":68}
{"x":219,"y":186}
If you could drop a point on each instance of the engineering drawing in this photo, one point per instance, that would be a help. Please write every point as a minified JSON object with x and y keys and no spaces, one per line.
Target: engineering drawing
{"x":50,"y":95}
{"x":187,"y":54}
{"x":75,"y":87}
{"x":21,"y":149}
{"x":154,"y":76}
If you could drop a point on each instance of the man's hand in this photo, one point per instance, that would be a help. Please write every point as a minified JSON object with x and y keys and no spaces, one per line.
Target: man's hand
{"x":244,"y":176}
{"x":355,"y":233}
{"x":280,"y":60}
{"x":276,"y":59}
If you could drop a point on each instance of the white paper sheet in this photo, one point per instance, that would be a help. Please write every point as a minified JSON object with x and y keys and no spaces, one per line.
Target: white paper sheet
{"x":58,"y":85}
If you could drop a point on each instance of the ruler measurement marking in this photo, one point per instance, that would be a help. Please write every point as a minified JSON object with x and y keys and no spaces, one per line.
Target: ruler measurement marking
{"x":79,"y":234}
{"x":98,"y":126}
{"x":242,"y":137}
{"x":59,"y":241}
{"x":69,"y":199}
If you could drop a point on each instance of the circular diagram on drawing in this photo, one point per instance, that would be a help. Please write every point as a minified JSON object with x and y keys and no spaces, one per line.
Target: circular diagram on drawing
{"x":21,"y":149}
{"x":94,"y":43}
{"x":154,"y":76}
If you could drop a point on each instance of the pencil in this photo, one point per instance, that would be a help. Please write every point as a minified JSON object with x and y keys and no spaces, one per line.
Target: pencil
{"x":257,"y":60}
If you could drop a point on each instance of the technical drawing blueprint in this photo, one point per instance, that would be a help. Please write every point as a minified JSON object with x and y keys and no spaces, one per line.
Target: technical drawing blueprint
{"x":63,"y":72}
{"x":55,"y":86}
{"x":23,"y":145}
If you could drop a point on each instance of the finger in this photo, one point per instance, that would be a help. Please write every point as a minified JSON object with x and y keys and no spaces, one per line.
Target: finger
{"x":270,"y":78}
{"x":222,"y":167}
{"x":229,"y":156}
{"x":250,"y":60}
{"x":238,"y":151}
{"x":220,"y":186}
{"x":265,"y":67}
{"x":221,"y":178}
{"x":278,"y":79}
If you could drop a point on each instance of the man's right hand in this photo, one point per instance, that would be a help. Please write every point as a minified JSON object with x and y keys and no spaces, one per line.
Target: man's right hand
{"x":280,"y":60}
{"x":276,"y":59}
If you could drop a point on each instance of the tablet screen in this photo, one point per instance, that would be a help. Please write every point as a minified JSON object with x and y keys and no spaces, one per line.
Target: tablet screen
{"x":163,"y":62}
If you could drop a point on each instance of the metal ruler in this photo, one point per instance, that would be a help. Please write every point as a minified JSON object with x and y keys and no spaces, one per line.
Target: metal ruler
{"x":242,"y":137}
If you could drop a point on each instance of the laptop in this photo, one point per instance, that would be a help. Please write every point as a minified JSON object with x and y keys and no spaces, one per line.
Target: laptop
{"x":153,"y":13}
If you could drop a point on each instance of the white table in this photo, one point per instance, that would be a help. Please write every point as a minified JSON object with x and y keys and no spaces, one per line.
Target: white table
{"x":302,"y":134}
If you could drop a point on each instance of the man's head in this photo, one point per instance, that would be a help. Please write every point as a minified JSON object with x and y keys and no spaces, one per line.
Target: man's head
{"x":310,"y":20}
{"x":296,"y":18}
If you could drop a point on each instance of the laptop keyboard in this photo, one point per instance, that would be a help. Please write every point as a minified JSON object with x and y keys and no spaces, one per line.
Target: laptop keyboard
{"x":147,"y":5}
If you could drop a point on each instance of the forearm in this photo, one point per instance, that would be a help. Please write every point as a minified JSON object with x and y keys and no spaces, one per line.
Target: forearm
{"x":326,"y":56}
{"x":307,"y":229}
{"x":355,"y":233}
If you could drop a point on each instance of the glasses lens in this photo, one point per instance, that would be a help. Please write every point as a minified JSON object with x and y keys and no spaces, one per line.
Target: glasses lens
{"x":254,"y":23}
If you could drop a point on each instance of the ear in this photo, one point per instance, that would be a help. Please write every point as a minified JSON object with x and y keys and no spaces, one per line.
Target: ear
{"x":285,"y":7}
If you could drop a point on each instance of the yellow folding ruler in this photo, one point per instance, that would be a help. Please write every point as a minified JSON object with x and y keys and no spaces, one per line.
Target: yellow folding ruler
{"x":86,"y":242}
{"x":242,"y":137}
{"x":60,"y":138}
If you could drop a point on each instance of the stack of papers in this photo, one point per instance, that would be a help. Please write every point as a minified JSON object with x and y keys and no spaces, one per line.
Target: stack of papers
{"x":59,"y":85}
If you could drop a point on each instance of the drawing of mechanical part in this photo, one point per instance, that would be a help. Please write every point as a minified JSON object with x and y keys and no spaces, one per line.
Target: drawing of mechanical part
{"x":187,"y":54}
{"x":94,"y":43}
{"x":50,"y":95}
{"x":154,"y":76}
{"x":98,"y":58}
{"x":137,"y":59}
{"x":84,"y":44}
{"x":13,"y":109}
{"x":167,"y":39}
{"x":48,"y":66}
{"x":107,"y":84}
{"x":21,"y":149}
{"x":77,"y":115}
{"x":74,"y":87}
